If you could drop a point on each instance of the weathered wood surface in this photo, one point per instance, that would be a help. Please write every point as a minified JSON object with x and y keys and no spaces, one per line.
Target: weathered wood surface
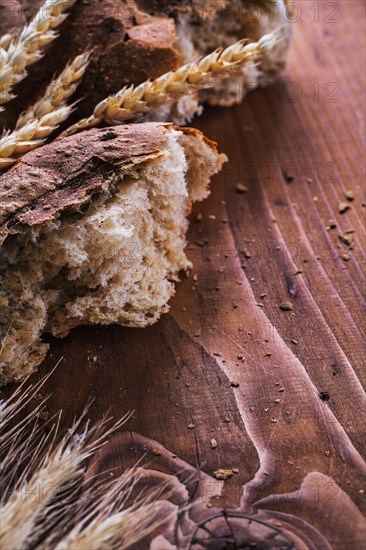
{"x":292,"y":421}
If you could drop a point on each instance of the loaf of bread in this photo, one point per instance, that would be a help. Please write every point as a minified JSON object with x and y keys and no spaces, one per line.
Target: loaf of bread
{"x":92,"y":230}
{"x":134,"y":40}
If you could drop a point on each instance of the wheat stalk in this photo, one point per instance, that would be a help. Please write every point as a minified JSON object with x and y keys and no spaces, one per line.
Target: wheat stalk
{"x":131,"y":102}
{"x":41,"y":119}
{"x":46,"y":502}
{"x":17,"y":53}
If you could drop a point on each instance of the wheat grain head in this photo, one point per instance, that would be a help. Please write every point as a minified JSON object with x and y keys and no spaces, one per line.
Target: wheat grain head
{"x":46,"y":504}
{"x":42,"y":118}
{"x":18,"y":52}
{"x":132,"y":102}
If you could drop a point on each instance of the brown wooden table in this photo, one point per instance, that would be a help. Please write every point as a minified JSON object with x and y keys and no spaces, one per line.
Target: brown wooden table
{"x":263,"y":348}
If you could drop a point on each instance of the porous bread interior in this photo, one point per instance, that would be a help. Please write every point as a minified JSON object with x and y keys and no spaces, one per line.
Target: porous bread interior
{"x":108,"y":264}
{"x":238,"y":19}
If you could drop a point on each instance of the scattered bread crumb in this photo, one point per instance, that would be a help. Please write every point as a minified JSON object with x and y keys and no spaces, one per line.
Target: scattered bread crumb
{"x":349,"y":194}
{"x":286,"y":306}
{"x":343,"y":207}
{"x":223,"y":473}
{"x":241,"y":188}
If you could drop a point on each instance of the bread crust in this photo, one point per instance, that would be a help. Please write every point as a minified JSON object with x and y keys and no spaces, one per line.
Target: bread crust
{"x":65,"y":173}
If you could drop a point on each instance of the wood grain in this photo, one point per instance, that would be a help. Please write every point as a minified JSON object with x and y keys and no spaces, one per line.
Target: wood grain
{"x":280,"y":390}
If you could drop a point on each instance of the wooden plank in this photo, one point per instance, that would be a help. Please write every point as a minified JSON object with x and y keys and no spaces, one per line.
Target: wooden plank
{"x":292,"y":422}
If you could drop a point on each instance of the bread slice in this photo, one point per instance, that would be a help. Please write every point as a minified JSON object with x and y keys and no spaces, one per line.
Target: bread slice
{"x":92,"y":230}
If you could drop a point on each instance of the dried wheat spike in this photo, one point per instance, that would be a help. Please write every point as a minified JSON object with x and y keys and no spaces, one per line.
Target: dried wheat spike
{"x":43,"y":485}
{"x":17,"y":53}
{"x":58,"y":91}
{"x":41,"y":119}
{"x":131,"y":102}
{"x":5,"y":42}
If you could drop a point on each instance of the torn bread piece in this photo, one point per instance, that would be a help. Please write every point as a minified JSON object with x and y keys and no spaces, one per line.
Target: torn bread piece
{"x":221,"y":24}
{"x":92,"y":230}
{"x":132,"y":41}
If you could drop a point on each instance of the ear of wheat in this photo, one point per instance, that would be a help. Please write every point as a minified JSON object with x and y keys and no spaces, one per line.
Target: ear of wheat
{"x":132,"y":102}
{"x":156,"y":99}
{"x":45,"y":501}
{"x":17,"y":53}
{"x":5,"y":41}
{"x":41,"y":119}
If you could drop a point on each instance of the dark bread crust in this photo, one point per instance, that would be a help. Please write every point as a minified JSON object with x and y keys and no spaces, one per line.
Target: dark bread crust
{"x":64,"y":174}
{"x":201,"y":8}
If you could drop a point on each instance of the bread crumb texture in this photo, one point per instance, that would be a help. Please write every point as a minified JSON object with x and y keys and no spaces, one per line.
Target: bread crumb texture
{"x":109,"y":259}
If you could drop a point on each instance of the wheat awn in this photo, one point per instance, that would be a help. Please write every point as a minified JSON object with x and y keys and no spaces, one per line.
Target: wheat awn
{"x":17,"y":53}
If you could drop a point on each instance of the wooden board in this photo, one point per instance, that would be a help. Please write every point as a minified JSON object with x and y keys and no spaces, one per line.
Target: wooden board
{"x":280,"y":390}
